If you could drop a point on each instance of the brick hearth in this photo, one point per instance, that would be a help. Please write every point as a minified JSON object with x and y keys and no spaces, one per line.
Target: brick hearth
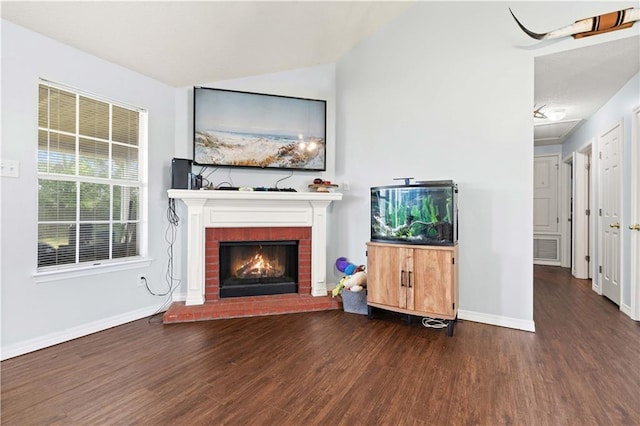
{"x":237,"y":307}
{"x":234,"y":307}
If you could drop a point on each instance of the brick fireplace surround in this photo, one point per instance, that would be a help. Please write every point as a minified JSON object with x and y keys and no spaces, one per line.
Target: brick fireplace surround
{"x":215,"y":216}
{"x":215,"y":235}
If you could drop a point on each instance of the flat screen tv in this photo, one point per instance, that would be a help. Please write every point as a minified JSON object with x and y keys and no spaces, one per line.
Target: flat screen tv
{"x":242,"y":129}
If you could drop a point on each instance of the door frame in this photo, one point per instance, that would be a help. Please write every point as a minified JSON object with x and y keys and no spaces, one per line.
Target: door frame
{"x":566,"y":194}
{"x":580,"y":221}
{"x":618,"y":123}
{"x":568,"y":215}
{"x":635,"y":213}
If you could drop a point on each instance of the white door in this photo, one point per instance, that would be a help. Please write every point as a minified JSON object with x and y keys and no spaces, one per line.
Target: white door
{"x":589,"y":213}
{"x":545,"y":194}
{"x":566,"y":211}
{"x":634,"y":226}
{"x":580,"y":218}
{"x":611,"y":201}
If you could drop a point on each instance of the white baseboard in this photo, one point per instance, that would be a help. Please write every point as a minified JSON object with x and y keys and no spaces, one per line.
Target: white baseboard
{"x":51,"y":339}
{"x":626,"y":309}
{"x":547,"y":262}
{"x":178,"y":297}
{"x":518,"y":324}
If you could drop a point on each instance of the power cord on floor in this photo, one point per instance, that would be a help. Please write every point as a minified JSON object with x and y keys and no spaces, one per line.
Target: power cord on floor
{"x":434,"y":322}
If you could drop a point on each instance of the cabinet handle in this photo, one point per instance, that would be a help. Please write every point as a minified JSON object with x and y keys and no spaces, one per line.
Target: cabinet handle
{"x":409,"y":279}
{"x":402,"y":278}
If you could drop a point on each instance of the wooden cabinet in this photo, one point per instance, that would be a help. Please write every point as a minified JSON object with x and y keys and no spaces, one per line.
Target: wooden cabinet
{"x":413,"y":279}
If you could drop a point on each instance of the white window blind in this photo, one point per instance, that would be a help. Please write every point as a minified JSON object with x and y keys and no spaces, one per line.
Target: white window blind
{"x":89,"y":179}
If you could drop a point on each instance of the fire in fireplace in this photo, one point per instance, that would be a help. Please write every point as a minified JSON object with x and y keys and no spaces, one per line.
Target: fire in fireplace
{"x":254,"y":268}
{"x":259,"y":266}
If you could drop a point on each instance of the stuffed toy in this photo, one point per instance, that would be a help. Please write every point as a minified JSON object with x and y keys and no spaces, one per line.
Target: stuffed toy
{"x":355,"y":282}
{"x":343,"y":265}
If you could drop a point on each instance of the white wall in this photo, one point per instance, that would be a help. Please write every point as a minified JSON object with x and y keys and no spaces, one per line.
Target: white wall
{"x":39,"y":314}
{"x":446,"y":92}
{"x":618,"y":108}
{"x":312,"y":83}
{"x":547,"y":150}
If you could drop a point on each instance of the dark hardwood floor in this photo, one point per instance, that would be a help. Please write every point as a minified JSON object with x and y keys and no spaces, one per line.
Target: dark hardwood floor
{"x":581,"y":367}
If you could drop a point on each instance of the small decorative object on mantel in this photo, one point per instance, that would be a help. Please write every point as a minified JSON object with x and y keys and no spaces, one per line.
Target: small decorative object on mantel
{"x":320,"y":185}
{"x":590,"y":26}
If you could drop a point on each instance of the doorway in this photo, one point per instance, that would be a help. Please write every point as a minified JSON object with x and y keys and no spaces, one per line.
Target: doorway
{"x":581,"y":213}
{"x":582,"y":234}
{"x":578,"y":209}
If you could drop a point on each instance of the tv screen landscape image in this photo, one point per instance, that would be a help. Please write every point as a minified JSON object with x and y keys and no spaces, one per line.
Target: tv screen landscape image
{"x":242,"y":129}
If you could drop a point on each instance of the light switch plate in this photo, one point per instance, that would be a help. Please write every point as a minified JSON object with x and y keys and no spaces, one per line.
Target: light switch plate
{"x":10,"y":168}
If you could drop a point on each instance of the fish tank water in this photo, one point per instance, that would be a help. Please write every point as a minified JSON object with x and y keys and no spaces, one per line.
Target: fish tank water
{"x":425,"y":212}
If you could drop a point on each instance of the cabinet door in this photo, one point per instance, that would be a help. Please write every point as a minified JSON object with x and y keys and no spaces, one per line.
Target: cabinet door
{"x":432,"y":281}
{"x":406,"y":279}
{"x":383,"y":275}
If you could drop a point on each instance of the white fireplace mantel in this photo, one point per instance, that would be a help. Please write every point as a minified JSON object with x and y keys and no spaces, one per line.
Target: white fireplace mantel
{"x":250,"y":209}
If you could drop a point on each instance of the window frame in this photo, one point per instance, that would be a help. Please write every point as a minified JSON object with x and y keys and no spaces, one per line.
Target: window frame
{"x":72,"y":270}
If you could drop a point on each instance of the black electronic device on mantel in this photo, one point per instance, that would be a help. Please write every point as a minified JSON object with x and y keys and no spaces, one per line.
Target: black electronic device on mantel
{"x":180,"y":173}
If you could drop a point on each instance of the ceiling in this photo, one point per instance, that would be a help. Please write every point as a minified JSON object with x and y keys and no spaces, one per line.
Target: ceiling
{"x":580,"y":81}
{"x":184,"y":43}
{"x":197,"y":42}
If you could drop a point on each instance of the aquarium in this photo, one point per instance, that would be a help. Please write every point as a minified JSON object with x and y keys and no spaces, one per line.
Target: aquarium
{"x":420,"y":213}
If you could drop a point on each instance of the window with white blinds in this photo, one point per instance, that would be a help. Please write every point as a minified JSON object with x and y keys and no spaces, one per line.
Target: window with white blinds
{"x":89,"y":179}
